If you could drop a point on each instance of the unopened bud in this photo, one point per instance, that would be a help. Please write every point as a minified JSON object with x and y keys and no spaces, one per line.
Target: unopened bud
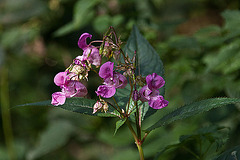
{"x":105,"y":107}
{"x":97,"y":106}
{"x":136,"y":95}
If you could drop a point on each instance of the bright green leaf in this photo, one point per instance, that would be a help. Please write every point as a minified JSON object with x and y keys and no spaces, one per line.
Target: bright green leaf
{"x":55,"y":136}
{"x":82,"y":15}
{"x":214,"y":135}
{"x":119,"y":123}
{"x":193,"y":109}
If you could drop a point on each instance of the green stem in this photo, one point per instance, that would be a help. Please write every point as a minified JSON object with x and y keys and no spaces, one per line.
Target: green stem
{"x":117,"y":104}
{"x":138,"y":121}
{"x":130,"y":82}
{"x":137,"y":141}
{"x":6,"y":117}
{"x":140,"y":150}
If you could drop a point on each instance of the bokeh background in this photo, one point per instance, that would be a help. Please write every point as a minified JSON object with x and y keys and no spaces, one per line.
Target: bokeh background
{"x":197,"y":40}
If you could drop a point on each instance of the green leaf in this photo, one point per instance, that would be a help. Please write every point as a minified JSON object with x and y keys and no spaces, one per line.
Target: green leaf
{"x":231,"y":154}
{"x":232,"y":19}
{"x":122,"y":96}
{"x":148,"y":60}
{"x":83,"y":14}
{"x":78,"y":105}
{"x":192,"y":109}
{"x":209,"y":36}
{"x":214,"y":135}
{"x":55,"y":136}
{"x":227,"y":60}
{"x":119,"y":123}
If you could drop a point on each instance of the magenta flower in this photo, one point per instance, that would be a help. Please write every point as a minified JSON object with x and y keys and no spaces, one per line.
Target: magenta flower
{"x":118,"y":80}
{"x":112,"y":80}
{"x":150,"y":93}
{"x":58,"y":98}
{"x":60,"y":78}
{"x":94,"y":57}
{"x":70,"y":88}
{"x":74,"y":89}
{"x":82,"y":41}
{"x":90,"y":52}
{"x":157,"y":102}
{"x":106,"y":91}
{"x":154,"y":81}
{"x":106,"y":70}
{"x":146,"y":93}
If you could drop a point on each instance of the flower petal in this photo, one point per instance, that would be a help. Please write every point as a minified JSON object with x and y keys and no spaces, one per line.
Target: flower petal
{"x":82,"y":40}
{"x":106,"y":70}
{"x":106,"y":91}
{"x":74,"y":89}
{"x":120,"y":79}
{"x":58,"y":98}
{"x":145,"y":93}
{"x":81,"y":89}
{"x":60,"y":78}
{"x":95,"y":57}
{"x":154,"y":81}
{"x":157,"y":102}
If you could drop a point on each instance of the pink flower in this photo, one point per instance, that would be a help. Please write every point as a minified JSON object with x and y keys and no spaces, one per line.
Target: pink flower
{"x":90,"y":52}
{"x":70,"y":88}
{"x":157,"y":102}
{"x":94,"y":56}
{"x":74,"y":88}
{"x":82,"y":41}
{"x":106,"y":91}
{"x":106,"y":70}
{"x":60,"y":78}
{"x":118,"y":80}
{"x":58,"y":98}
{"x":150,"y":93}
{"x":112,"y":80}
{"x":154,"y":81}
{"x":146,"y":93}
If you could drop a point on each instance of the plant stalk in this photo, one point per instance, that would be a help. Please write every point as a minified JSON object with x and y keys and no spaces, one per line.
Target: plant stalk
{"x":137,"y":141}
{"x":6,"y":116}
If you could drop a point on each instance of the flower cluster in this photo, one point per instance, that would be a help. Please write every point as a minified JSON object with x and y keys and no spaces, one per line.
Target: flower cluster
{"x":69,"y":81}
{"x":70,"y":88}
{"x":150,"y":92}
{"x":71,"y":85}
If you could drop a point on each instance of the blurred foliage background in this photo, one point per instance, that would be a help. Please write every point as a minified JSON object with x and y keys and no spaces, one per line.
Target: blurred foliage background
{"x":197,"y":40}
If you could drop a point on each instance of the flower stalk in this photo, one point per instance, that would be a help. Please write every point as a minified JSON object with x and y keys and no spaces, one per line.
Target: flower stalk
{"x":138,"y":141}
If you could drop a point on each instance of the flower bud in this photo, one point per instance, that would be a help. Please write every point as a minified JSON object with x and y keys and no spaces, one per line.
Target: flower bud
{"x":105,"y":107}
{"x":136,"y":95}
{"x":97,"y":106}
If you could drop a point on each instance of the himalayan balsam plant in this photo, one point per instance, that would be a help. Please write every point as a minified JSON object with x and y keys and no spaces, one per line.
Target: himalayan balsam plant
{"x":132,"y":87}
